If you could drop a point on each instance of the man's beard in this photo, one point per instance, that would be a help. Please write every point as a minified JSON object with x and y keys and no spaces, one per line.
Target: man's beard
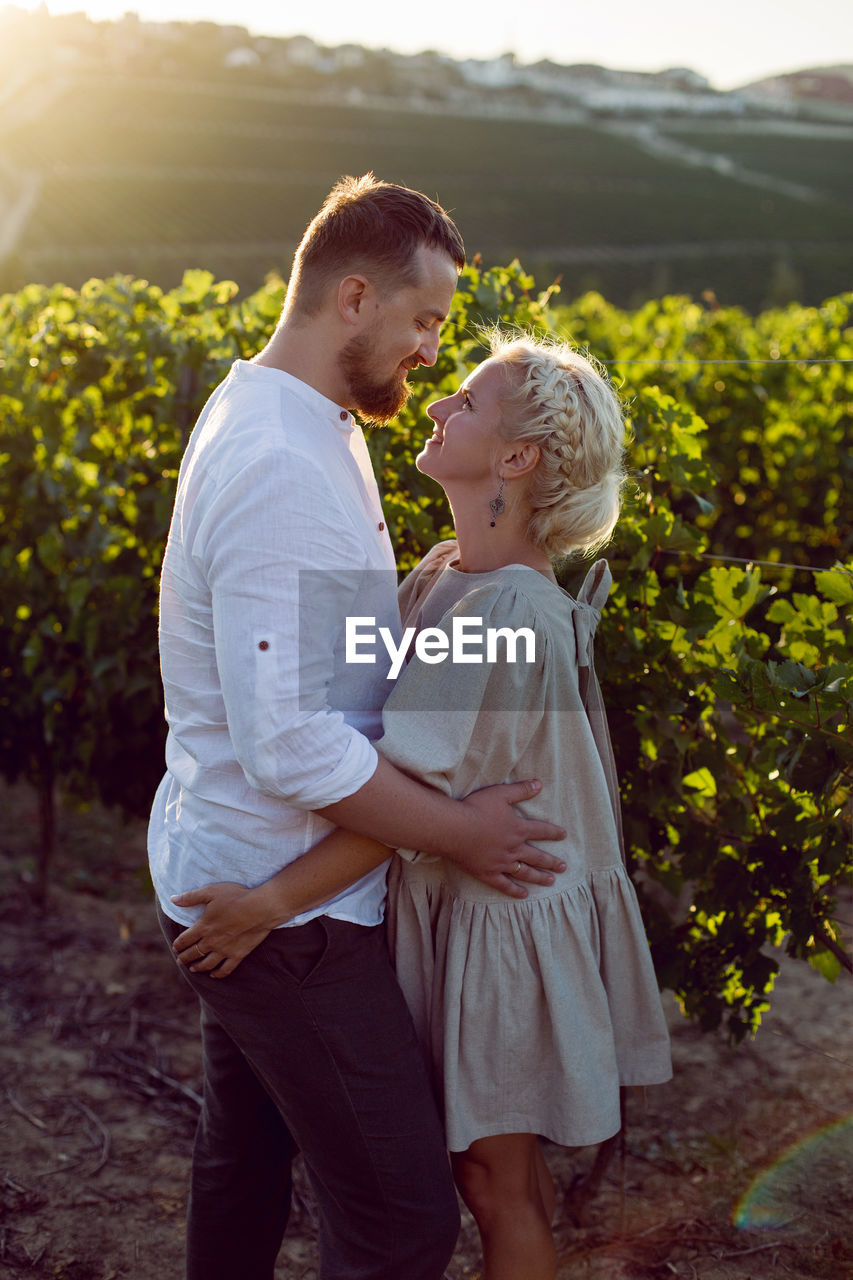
{"x":374,"y":401}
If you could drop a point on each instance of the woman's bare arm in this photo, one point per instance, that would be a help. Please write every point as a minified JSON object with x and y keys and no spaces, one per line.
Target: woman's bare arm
{"x":236,"y":919}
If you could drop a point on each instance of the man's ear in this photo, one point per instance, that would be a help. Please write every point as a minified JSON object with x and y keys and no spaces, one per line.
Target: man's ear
{"x":520,"y":459}
{"x":352,"y":292}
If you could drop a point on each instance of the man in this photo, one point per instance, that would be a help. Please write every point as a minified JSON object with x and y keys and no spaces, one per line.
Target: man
{"x":277,"y":537}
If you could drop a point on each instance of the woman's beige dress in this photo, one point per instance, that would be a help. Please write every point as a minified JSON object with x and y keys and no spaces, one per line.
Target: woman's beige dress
{"x":531,"y":1012}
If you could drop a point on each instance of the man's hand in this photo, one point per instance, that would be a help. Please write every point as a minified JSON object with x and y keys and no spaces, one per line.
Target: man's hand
{"x":482,"y":833}
{"x":500,"y":854}
{"x":234,"y":921}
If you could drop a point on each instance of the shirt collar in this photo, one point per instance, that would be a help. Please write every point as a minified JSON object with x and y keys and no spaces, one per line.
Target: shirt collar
{"x":313,"y":399}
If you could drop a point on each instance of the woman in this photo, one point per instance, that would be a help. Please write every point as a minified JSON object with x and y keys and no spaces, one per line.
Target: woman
{"x":532,"y":1012}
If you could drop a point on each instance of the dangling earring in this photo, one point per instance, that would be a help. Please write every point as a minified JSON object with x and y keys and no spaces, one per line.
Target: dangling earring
{"x":497,"y":505}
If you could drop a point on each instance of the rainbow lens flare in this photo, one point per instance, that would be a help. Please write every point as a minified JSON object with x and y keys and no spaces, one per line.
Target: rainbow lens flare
{"x":806,"y":1176}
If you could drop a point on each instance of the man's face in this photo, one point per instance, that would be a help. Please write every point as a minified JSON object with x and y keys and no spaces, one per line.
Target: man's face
{"x":402,"y":333}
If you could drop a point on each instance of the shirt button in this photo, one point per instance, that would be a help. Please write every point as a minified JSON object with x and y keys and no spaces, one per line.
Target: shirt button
{"x":381,"y":525}
{"x":264,"y":644}
{"x":344,"y":415}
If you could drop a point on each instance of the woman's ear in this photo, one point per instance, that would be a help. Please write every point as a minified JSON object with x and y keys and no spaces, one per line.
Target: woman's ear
{"x":521,"y":459}
{"x":351,"y":298}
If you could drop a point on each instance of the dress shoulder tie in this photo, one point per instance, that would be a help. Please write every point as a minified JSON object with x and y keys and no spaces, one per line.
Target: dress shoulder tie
{"x":591,"y":598}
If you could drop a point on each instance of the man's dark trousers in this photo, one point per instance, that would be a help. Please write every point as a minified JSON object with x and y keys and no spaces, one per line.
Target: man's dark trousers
{"x":309,"y":1046}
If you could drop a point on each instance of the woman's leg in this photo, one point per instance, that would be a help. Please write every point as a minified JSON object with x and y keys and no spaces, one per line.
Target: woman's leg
{"x":546,"y":1185}
{"x":501,"y":1181}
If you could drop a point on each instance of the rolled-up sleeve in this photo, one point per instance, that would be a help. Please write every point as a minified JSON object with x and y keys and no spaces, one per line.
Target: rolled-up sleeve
{"x":261,"y":538}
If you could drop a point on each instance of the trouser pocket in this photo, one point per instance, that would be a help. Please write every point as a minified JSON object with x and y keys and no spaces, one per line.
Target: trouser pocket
{"x":299,"y":949}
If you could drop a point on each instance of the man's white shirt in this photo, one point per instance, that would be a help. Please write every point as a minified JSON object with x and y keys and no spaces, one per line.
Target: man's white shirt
{"x":277,"y":537}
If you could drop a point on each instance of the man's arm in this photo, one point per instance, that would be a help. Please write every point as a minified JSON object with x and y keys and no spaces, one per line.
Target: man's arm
{"x":452,"y":727}
{"x":236,"y":919}
{"x":276,"y":621}
{"x":482,"y":833}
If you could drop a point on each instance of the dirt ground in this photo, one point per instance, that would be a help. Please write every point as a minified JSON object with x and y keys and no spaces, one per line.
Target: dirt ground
{"x":740,"y":1169}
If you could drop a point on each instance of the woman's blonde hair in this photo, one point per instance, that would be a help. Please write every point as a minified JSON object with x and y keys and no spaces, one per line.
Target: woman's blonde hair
{"x":559,"y":400}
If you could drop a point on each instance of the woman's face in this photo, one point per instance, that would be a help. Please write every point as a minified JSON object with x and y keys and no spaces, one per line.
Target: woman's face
{"x":466,"y":444}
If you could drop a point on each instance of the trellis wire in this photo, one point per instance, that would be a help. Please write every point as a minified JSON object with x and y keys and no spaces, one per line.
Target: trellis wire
{"x":691,"y":360}
{"x":770,"y":564}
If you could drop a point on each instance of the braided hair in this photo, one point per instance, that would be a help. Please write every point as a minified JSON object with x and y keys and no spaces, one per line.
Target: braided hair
{"x":557,"y":398}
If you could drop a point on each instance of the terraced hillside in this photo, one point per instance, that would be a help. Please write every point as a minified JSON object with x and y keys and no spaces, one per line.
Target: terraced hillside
{"x":151,"y":175}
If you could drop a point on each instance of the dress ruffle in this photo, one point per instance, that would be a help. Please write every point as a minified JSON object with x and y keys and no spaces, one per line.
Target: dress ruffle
{"x":531,"y":1013}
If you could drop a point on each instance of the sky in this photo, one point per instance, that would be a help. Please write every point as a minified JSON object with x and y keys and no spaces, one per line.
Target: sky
{"x":729,"y":41}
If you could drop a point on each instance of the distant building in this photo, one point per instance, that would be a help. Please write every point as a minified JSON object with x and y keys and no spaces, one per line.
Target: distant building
{"x":241,"y":57}
{"x":302,"y":51}
{"x":494,"y":73}
{"x":349,"y":56}
{"x":629,"y":100}
{"x":683,"y":78}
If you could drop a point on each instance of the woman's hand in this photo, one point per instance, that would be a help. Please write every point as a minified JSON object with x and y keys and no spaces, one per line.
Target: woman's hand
{"x":234,"y":921}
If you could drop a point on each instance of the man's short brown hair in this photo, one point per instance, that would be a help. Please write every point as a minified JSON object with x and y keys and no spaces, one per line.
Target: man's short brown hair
{"x":373,"y":227}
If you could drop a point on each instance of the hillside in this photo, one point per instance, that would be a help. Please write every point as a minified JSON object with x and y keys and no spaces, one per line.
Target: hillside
{"x":128,"y":148}
{"x":823,"y":86}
